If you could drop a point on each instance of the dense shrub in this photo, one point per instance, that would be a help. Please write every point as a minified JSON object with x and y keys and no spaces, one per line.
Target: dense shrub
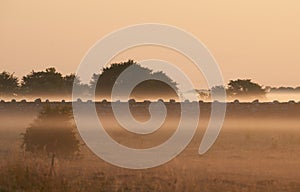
{"x":52,"y":132}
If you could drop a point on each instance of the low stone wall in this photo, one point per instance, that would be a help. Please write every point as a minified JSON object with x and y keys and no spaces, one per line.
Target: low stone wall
{"x":233,"y":109}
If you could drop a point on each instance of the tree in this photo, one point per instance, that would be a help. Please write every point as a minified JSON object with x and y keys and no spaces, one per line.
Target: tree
{"x":149,"y":89}
{"x":218,"y":91}
{"x":9,"y":84}
{"x":245,"y":89}
{"x":42,"y":82}
{"x":52,"y":132}
{"x":49,"y":82}
{"x":69,"y":81}
{"x":203,"y":94}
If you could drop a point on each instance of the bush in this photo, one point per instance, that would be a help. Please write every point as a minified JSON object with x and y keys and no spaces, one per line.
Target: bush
{"x":52,"y":132}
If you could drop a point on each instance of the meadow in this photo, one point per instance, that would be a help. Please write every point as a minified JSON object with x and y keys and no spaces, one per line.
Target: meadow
{"x":258,"y":149}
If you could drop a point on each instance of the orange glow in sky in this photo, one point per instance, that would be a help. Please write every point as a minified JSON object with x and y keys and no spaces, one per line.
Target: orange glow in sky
{"x":249,"y":39}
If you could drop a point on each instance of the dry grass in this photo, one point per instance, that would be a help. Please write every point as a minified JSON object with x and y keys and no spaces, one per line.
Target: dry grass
{"x":249,"y":155}
{"x":35,"y":175}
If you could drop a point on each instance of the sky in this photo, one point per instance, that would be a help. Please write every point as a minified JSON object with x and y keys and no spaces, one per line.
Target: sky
{"x":249,"y":39}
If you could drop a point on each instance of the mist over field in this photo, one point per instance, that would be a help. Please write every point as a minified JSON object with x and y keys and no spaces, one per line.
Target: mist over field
{"x":257,"y":150}
{"x":142,"y":96}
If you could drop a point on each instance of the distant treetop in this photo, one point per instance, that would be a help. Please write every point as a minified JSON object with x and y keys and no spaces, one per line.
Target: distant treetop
{"x":149,"y":89}
{"x":9,"y":84}
{"x":49,"y":82}
{"x":245,"y":89}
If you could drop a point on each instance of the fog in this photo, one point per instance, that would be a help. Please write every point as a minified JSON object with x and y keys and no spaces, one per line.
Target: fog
{"x":270,"y":97}
{"x":258,"y":153}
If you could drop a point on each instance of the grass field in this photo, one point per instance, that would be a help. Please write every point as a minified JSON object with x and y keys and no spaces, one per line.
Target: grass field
{"x":250,"y":154}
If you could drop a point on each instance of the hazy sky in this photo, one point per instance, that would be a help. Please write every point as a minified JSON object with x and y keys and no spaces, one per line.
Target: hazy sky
{"x":258,"y":39}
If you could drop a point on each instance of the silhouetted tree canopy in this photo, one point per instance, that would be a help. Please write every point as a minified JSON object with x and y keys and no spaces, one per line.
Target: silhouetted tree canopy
{"x":149,"y":89}
{"x":8,"y":84}
{"x":52,"y":83}
{"x":245,"y":89}
{"x":48,"y":82}
{"x":217,"y":91}
{"x":203,"y":94}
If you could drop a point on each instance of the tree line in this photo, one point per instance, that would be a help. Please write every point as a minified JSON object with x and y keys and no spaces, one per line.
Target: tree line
{"x":50,"y":83}
{"x":45,"y":82}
